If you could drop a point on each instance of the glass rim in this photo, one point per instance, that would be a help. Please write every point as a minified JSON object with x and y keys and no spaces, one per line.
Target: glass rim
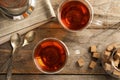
{"x":67,"y":54}
{"x":27,"y":12}
{"x":85,"y":2}
{"x":112,"y":60}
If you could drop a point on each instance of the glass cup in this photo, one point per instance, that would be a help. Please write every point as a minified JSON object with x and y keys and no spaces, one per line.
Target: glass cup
{"x":111,"y":60}
{"x":75,"y":15}
{"x":116,"y":62}
{"x":17,"y":9}
{"x":50,"y":55}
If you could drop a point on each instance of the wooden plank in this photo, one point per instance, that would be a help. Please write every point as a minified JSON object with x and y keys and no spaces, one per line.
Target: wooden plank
{"x":106,"y":11}
{"x":55,"y":25}
{"x":23,"y":64}
{"x":59,"y":77}
{"x":56,"y":29}
{"x":77,"y":44}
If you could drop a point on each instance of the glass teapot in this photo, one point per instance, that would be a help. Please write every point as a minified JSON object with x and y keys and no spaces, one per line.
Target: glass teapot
{"x":17,"y":9}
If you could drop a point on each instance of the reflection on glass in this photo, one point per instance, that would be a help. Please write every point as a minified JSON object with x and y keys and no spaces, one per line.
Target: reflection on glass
{"x":17,"y":9}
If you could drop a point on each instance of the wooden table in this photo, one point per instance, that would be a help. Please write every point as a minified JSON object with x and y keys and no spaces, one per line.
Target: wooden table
{"x":78,"y":44}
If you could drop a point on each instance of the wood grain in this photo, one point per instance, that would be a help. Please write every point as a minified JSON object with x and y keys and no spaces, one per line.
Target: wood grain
{"x":60,"y":77}
{"x":106,"y":13}
{"x":78,"y":45}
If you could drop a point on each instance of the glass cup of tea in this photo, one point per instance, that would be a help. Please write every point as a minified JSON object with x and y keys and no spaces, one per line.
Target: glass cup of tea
{"x":75,"y":15}
{"x":17,"y":9}
{"x":50,"y":55}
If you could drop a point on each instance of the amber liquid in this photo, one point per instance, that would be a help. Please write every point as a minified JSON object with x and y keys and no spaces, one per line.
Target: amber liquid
{"x":75,"y":15}
{"x":50,"y":55}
